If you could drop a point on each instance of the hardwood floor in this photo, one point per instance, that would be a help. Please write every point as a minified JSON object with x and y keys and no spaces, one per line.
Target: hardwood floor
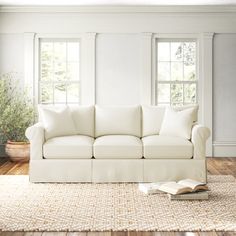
{"x":215,"y":166}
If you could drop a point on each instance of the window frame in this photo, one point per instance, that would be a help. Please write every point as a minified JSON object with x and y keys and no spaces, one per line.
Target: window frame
{"x":38,"y":81}
{"x":169,"y":39}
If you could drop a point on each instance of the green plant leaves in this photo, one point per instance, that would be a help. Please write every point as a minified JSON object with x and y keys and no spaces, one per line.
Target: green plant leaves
{"x":17,"y":111}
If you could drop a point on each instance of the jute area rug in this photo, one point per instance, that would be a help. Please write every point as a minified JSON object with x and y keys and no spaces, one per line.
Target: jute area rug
{"x":103,"y":207}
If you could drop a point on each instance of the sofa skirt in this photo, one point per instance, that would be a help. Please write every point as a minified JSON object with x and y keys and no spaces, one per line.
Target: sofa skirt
{"x":116,"y":170}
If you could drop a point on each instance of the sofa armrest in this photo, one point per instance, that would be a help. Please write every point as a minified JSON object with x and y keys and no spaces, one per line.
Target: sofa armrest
{"x":200,"y":134}
{"x":35,"y":134}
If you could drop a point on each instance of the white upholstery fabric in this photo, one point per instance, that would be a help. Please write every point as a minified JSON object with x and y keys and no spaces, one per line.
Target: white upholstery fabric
{"x":61,"y":170}
{"x":158,"y":146}
{"x":118,"y":120}
{"x":76,"y":146}
{"x":117,"y":146}
{"x":177,"y":123}
{"x":110,"y":170}
{"x":83,"y":117}
{"x":35,"y":134}
{"x":174,"y":170}
{"x":152,"y":119}
{"x":118,"y":157}
{"x":185,"y":107}
{"x":141,"y":170}
{"x":199,"y":137}
{"x":57,"y":122}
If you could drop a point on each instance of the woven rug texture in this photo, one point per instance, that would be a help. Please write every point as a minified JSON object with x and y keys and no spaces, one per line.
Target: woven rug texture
{"x":26,"y":206}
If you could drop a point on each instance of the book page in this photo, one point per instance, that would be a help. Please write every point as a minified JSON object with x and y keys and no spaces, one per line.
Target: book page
{"x":151,"y":187}
{"x":190,"y":183}
{"x":174,"y":188}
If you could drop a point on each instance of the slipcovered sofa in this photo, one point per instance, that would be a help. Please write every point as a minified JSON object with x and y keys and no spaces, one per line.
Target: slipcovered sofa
{"x":115,"y":144}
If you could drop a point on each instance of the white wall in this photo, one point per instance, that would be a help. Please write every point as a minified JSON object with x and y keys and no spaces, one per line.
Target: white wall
{"x":118,"y":52}
{"x":118,"y":69}
{"x":12,"y":53}
{"x":224,"y":125}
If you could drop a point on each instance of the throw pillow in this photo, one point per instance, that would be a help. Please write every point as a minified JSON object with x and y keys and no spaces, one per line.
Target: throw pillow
{"x":57,"y":122}
{"x":178,"y":123}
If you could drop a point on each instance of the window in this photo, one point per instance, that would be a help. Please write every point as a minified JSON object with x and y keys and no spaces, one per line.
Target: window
{"x":176,"y":73}
{"x":59,"y":80}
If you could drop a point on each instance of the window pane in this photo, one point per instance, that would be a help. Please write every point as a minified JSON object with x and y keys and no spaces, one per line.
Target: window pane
{"x":46,"y":71}
{"x":176,"y":62}
{"x":73,"y":51}
{"x":60,"y":71}
{"x":190,"y":93}
{"x":59,"y":51}
{"x":189,"y":53}
{"x":59,"y":62}
{"x":73,"y":93}
{"x":163,"y":71}
{"x":73,"y":71}
{"x":46,"y":51}
{"x":176,"y":71}
{"x":60,"y":93}
{"x":163,"y":51}
{"x":46,"y":93}
{"x":189,"y":72}
{"x":164,"y":93}
{"x":46,"y":57}
{"x":176,"y":51}
{"x":176,"y":94}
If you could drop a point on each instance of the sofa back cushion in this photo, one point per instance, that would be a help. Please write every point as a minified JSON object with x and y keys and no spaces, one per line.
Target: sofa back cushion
{"x":118,"y":120}
{"x":152,"y":117}
{"x":82,"y":117}
{"x":57,"y":122}
{"x":178,"y":123}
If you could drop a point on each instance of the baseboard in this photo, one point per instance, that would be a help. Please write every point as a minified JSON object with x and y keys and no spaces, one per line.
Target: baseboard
{"x":224,"y":149}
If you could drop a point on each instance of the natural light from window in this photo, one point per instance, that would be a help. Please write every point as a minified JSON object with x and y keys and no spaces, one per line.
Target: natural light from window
{"x":176,"y":73}
{"x":59,"y":71}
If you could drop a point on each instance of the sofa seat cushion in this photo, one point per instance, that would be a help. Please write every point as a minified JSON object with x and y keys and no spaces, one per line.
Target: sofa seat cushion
{"x":76,"y":146}
{"x":117,"y":146}
{"x":157,"y":146}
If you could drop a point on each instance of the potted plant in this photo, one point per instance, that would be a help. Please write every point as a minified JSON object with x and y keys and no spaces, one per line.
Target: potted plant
{"x":16,"y":114}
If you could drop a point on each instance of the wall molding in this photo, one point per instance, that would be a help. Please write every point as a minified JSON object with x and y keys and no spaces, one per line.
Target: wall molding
{"x":224,"y":143}
{"x":122,"y":9}
{"x":224,"y":148}
{"x":29,"y":63}
{"x":206,"y":74}
{"x":88,"y":78}
{"x":146,"y":70}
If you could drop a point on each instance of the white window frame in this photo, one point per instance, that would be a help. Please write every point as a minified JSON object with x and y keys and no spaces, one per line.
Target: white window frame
{"x":87,"y":63}
{"x":156,"y":82}
{"x":41,"y":82}
{"x":54,"y":37}
{"x":173,"y":38}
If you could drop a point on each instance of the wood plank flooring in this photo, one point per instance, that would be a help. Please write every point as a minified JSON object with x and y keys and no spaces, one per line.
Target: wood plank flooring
{"x":215,"y":166}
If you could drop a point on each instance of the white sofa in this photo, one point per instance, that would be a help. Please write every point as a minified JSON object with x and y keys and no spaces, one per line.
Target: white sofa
{"x":116,"y":144}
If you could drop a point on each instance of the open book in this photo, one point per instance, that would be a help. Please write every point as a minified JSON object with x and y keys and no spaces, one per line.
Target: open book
{"x":183,"y":186}
{"x":151,"y":188}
